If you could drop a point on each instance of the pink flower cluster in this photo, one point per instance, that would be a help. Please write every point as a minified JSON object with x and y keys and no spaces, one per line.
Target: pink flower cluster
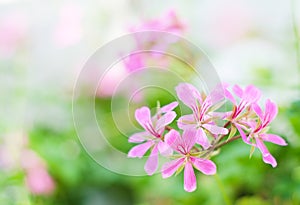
{"x":201,"y":131}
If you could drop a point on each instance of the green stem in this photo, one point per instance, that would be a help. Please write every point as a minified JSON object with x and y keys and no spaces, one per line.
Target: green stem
{"x":222,"y":190}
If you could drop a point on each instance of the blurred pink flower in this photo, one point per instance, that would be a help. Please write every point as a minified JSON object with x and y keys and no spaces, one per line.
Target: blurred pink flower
{"x":152,"y":137}
{"x":13,"y":31}
{"x":38,"y":180}
{"x":69,"y":28}
{"x":183,"y":146}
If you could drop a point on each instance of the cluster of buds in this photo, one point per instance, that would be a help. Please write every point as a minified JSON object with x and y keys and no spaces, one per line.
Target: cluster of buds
{"x":200,"y":134}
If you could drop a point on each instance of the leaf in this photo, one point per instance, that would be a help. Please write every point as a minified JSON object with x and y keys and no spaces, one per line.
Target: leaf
{"x":232,"y":132}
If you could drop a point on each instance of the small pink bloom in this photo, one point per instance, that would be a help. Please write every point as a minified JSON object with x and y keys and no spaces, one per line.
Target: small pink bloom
{"x":200,"y":120}
{"x":183,"y":145}
{"x":248,"y":97}
{"x":39,"y":181}
{"x":259,"y":135}
{"x":152,"y":137}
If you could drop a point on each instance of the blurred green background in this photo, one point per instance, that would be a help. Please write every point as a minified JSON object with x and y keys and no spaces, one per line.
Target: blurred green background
{"x":43,"y":46}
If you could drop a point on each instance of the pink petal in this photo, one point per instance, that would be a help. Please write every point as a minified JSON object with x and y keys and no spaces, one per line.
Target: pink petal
{"x":190,"y":184}
{"x":251,"y":94}
{"x":164,"y":149}
{"x":186,"y":122}
{"x":189,"y":138}
{"x":243,"y":135}
{"x":229,"y":96}
{"x":267,"y":157}
{"x":238,"y":91}
{"x":169,"y":107}
{"x":271,"y":110}
{"x":202,"y":139}
{"x":274,"y":139}
{"x":258,"y":111}
{"x":169,"y":168}
{"x":138,"y":137}
{"x":140,"y":150}
{"x":188,"y":94}
{"x":207,"y":167}
{"x":172,"y":138}
{"x":165,"y":120}
{"x":215,"y":129}
{"x":143,"y":116}
{"x":152,"y":162}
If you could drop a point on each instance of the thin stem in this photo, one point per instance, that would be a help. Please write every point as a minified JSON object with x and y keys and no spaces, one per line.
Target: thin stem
{"x":228,"y":141}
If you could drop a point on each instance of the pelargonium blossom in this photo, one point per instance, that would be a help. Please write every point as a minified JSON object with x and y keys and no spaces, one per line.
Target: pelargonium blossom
{"x":259,"y":129}
{"x":184,"y":152}
{"x":183,"y":145}
{"x":153,"y":136}
{"x":200,"y":120}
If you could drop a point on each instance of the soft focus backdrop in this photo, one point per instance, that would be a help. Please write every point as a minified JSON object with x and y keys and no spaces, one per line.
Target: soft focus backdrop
{"x":43,"y":46}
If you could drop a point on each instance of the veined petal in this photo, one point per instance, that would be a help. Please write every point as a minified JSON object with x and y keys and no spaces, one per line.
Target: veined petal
{"x":238,"y":91}
{"x":172,"y":138}
{"x":188,"y":94}
{"x":143,"y":116}
{"x":274,"y":139}
{"x":251,"y":94}
{"x":164,"y":148}
{"x":138,"y":137}
{"x":165,"y":120}
{"x":214,"y":129}
{"x":140,"y":150}
{"x":186,"y":122}
{"x":258,"y":111}
{"x":242,"y":133}
{"x":152,"y":162}
{"x":169,"y":168}
{"x":206,"y":166}
{"x":271,"y":110}
{"x":189,"y":138}
{"x":202,"y":139}
{"x":169,"y":107}
{"x":190,"y":184}
{"x":267,"y":157}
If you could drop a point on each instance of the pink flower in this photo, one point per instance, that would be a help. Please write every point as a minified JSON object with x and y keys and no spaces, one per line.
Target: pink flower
{"x":183,"y":145}
{"x":259,"y":135}
{"x":152,"y":137}
{"x":248,"y":96}
{"x":200,"y":120}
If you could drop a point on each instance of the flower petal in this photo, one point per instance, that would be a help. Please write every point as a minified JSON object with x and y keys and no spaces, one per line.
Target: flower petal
{"x":190,"y":184}
{"x":214,"y":129}
{"x":138,"y":137}
{"x":206,"y":166}
{"x":271,"y":111}
{"x":140,"y":150}
{"x":267,"y":157}
{"x":169,"y":107}
{"x":152,"y":162}
{"x":202,"y":139}
{"x":169,"y":168}
{"x":143,"y":116}
{"x":242,"y":133}
{"x":258,"y":111}
{"x":165,"y":120}
{"x":188,"y":94}
{"x":186,"y":122}
{"x":164,"y":148}
{"x":172,"y":138}
{"x":274,"y":139}
{"x":251,"y":94}
{"x":238,"y":91}
{"x":189,"y":138}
